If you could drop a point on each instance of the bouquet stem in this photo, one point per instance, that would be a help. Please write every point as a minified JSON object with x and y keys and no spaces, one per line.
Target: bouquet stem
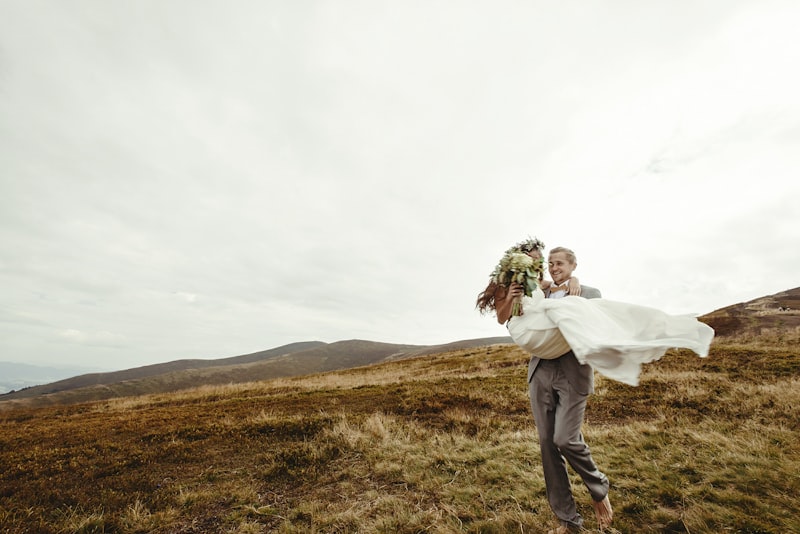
{"x":516,"y":307}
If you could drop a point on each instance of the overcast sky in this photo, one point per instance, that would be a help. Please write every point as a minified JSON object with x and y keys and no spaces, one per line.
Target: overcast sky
{"x":203,"y":179}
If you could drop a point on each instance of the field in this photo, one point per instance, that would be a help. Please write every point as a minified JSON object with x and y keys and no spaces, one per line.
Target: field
{"x":442,"y":444}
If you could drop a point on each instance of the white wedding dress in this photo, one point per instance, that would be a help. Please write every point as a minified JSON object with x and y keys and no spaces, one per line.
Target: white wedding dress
{"x":615,"y":338}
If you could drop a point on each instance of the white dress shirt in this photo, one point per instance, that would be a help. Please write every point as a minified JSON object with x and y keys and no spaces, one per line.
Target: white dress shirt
{"x":556,"y":292}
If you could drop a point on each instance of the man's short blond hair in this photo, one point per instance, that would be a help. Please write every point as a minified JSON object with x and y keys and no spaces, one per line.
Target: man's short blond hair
{"x":568,"y":252}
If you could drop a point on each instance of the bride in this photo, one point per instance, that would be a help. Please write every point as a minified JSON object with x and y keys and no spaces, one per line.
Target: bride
{"x":614,"y":338}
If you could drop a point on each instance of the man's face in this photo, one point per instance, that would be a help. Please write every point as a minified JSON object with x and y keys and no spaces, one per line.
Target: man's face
{"x":560,"y":268}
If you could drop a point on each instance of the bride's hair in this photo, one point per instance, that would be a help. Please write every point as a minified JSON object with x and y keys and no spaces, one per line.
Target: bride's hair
{"x":529,"y":245}
{"x":486,"y":298}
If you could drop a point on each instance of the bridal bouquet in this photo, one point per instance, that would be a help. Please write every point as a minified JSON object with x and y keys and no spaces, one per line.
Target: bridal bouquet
{"x":516,"y":266}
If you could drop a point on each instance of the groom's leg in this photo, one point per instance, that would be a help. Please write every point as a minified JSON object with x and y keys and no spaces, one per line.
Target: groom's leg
{"x":568,"y":439}
{"x":544,"y":405}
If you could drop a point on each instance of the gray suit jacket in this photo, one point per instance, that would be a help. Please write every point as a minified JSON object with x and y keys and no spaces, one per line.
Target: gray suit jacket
{"x":580,"y":377}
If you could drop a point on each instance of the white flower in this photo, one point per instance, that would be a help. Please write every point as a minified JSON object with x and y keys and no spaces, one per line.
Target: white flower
{"x":519,"y":261}
{"x":517,"y":266}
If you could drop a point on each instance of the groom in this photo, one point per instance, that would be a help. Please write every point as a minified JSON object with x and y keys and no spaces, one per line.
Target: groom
{"x":558,"y":391}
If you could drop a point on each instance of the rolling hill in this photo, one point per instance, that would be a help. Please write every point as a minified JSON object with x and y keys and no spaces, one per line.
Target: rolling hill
{"x":289,"y":360}
{"x":772,"y":314}
{"x":777,"y":314}
{"x":442,"y":443}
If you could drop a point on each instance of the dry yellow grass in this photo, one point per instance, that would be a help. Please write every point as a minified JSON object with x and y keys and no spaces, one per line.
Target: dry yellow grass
{"x":442,"y":444}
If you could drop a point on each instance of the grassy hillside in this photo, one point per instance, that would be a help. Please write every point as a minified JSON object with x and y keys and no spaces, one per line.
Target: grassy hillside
{"x":138,"y":374}
{"x":771,"y":316}
{"x":439,"y":443}
{"x":296,"y":359}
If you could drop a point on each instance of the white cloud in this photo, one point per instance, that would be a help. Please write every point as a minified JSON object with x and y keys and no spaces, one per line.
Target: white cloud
{"x":97,"y":339}
{"x":182,"y":180}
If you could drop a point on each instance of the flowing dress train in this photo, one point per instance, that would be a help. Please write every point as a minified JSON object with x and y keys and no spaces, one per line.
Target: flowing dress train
{"x":615,"y":338}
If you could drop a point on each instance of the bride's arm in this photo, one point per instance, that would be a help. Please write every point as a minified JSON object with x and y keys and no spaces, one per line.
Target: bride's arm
{"x":504,"y":299}
{"x":574,"y":286}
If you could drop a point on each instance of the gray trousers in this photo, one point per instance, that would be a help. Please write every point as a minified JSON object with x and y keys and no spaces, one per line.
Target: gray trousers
{"x":558,"y":412}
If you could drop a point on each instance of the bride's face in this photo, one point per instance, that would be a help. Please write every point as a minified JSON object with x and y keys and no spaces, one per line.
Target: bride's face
{"x":536,"y":254}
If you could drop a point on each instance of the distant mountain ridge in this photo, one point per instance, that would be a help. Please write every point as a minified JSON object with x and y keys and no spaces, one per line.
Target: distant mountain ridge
{"x":15,"y":375}
{"x":761,"y":316}
{"x":295,"y":359}
{"x":92,"y":379}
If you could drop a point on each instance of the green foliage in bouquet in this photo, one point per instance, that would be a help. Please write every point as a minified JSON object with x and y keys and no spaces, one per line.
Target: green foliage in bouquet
{"x":516,"y":266}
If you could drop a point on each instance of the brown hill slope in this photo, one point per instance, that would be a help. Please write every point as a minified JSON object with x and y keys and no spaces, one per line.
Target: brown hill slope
{"x":138,"y":373}
{"x":774,"y":315}
{"x":771,"y":315}
{"x":291,"y":360}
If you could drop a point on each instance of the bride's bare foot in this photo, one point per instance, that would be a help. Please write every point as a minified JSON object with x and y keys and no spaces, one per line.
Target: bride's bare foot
{"x":603,"y":512}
